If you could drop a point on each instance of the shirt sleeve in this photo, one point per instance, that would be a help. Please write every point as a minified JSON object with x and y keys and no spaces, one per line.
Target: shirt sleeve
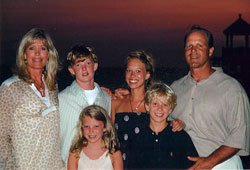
{"x":7,"y":108}
{"x":66,"y":123}
{"x":186,"y":148}
{"x":237,"y":121}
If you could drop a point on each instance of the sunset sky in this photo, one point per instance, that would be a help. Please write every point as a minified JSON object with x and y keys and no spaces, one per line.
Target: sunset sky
{"x":116,"y":27}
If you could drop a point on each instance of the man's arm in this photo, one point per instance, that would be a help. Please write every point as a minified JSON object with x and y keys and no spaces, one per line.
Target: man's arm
{"x":218,"y":156}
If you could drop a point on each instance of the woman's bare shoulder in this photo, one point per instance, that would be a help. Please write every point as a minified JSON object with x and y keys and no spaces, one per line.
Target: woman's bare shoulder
{"x":117,"y":102}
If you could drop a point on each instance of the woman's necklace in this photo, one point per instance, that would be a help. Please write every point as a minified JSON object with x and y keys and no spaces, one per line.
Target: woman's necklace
{"x":40,"y":88}
{"x":137,"y":107}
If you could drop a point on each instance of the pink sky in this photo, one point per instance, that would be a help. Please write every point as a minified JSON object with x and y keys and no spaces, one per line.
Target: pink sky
{"x":160,"y":22}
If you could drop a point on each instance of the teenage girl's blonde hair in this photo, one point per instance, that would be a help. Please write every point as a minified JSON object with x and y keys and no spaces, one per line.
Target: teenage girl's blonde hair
{"x":51,"y":67}
{"x":159,"y":89}
{"x":109,"y":138}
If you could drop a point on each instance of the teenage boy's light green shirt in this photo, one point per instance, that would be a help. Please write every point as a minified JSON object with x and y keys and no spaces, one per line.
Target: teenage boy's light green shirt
{"x":72,"y":100}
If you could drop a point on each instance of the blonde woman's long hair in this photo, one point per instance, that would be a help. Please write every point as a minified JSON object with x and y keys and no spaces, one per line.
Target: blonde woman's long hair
{"x":109,"y":137}
{"x":51,"y":67}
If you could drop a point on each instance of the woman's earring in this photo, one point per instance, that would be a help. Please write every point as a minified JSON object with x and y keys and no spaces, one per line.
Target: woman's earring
{"x":25,"y":61}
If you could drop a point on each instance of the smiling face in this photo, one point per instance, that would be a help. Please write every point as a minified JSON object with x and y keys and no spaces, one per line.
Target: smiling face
{"x":136,"y":73}
{"x":36,"y":55}
{"x":159,"y":109}
{"x":196,"y":50}
{"x":93,"y":130}
{"x":84,"y":71}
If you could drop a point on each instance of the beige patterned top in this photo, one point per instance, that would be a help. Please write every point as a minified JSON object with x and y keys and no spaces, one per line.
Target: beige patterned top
{"x":29,"y":128}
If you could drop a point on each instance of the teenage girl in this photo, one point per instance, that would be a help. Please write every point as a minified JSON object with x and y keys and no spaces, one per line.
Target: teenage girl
{"x":95,"y":145}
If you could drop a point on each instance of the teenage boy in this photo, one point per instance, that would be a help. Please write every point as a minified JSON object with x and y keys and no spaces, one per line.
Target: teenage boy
{"x":82,"y":63}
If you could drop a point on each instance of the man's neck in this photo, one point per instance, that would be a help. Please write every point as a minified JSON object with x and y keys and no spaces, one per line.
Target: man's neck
{"x":199,"y":74}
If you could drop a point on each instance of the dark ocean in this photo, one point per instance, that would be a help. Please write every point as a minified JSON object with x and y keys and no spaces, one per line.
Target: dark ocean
{"x":114,"y":78}
{"x":110,"y":77}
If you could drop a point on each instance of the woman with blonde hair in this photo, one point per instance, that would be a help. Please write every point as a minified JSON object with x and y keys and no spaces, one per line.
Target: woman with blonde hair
{"x":95,"y":144}
{"x":29,"y":117}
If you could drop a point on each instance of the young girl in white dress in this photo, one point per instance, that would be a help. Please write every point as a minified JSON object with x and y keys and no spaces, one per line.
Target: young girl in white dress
{"x":95,"y":144}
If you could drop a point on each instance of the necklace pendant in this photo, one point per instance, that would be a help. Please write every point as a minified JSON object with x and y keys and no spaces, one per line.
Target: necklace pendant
{"x":137,"y":107}
{"x":41,"y":90}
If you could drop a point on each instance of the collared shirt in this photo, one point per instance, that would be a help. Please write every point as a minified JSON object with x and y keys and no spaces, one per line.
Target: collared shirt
{"x":29,"y":127}
{"x":215,"y":112}
{"x":72,"y":101}
{"x":45,"y":99}
{"x":165,"y":150}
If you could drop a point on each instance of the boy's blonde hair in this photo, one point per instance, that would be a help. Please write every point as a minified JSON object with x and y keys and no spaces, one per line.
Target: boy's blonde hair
{"x":159,"y":89}
{"x":109,"y":137}
{"x":80,"y":52}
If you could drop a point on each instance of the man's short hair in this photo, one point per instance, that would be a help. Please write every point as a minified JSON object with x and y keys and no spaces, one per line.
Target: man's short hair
{"x":197,"y":28}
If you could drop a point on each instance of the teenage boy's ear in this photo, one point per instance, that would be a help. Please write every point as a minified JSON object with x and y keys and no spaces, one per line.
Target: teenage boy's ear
{"x":71,"y":70}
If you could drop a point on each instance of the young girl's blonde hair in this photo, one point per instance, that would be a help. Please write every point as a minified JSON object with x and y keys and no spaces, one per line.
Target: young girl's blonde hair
{"x":109,"y":137}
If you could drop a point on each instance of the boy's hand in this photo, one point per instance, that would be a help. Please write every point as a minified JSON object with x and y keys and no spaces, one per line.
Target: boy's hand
{"x":177,"y":125}
{"x":120,"y":93}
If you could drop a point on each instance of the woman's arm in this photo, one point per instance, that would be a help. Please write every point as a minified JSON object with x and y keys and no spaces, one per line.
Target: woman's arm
{"x":7,"y":105}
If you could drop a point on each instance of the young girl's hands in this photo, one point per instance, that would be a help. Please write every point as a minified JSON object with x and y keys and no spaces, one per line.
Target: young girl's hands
{"x":177,"y":125}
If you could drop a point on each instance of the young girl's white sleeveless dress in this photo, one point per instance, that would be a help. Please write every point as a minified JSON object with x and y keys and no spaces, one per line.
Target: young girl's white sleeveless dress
{"x":102,"y":163}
